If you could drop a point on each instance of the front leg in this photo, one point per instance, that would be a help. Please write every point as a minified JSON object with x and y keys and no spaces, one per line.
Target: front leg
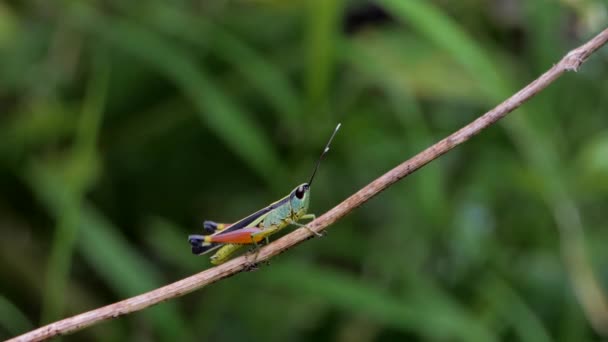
{"x":311,"y":217}
{"x":307,"y":228}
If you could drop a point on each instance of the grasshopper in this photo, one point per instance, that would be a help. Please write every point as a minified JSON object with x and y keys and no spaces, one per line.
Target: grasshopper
{"x":228,"y":238}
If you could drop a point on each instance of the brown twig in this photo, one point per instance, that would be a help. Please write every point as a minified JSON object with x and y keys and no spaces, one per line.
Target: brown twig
{"x":572,"y":61}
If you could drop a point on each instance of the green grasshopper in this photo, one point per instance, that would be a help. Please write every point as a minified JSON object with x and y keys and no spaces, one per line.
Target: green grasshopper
{"x":228,"y":238}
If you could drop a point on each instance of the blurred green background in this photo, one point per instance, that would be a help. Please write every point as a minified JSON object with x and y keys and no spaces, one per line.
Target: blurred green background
{"x":123,"y":125}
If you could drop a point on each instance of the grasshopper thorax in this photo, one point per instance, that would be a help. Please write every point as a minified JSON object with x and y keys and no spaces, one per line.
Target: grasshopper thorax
{"x":299,"y":199}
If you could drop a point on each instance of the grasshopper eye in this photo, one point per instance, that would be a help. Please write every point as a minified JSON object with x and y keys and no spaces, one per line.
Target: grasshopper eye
{"x":300,"y":192}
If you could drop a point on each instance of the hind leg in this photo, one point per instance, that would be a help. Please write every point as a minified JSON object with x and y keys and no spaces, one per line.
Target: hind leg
{"x":224,"y":253}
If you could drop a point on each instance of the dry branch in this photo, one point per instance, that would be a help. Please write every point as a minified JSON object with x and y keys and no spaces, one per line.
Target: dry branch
{"x":572,"y":61}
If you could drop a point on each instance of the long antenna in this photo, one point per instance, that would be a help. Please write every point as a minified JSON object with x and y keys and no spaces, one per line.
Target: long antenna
{"x":314,"y":171}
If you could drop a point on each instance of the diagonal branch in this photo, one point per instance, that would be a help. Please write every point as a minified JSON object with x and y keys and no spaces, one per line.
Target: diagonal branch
{"x":572,"y":61}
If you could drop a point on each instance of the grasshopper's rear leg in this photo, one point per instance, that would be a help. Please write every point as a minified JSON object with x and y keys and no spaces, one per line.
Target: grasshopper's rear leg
{"x":234,"y":241}
{"x":224,"y":253}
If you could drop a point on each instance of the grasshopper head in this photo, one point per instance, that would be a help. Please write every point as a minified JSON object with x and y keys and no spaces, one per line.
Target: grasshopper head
{"x":299,"y":199}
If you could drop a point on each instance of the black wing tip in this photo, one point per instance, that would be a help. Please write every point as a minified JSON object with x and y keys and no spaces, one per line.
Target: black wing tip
{"x":209,"y":227}
{"x":198,"y":250}
{"x":196,"y":244}
{"x":195,"y":240}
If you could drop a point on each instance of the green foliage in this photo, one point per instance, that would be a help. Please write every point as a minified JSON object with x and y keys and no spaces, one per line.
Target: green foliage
{"x":125,"y":124}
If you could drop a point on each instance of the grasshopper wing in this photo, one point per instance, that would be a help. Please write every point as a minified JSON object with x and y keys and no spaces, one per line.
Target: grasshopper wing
{"x":202,"y":244}
{"x":241,"y":236}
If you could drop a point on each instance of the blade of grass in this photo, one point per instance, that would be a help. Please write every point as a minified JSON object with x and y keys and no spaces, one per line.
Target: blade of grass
{"x":40,"y":124}
{"x":221,"y":114}
{"x":401,"y":62}
{"x":102,"y":246}
{"x":324,"y":17}
{"x":512,"y":308}
{"x":254,"y":67}
{"x":127,"y":272}
{"x":12,"y":319}
{"x":63,"y":194}
{"x":405,"y":108}
{"x":82,"y":160}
